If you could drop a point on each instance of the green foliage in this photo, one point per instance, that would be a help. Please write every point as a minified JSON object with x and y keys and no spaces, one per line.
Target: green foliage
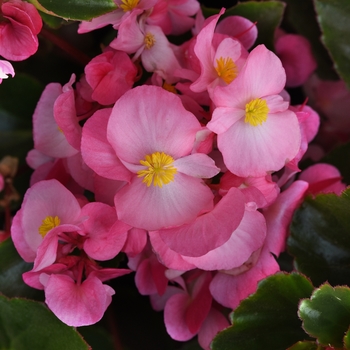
{"x":75,"y":9}
{"x":12,"y":267}
{"x":26,"y":324}
{"x":267,"y":14}
{"x":268,"y":319}
{"x":320,"y":238}
{"x":326,"y":315}
{"x":333,"y":17}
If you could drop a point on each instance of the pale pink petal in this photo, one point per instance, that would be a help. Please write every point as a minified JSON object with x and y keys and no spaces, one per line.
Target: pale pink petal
{"x":5,"y":69}
{"x":77,"y":305}
{"x":142,"y":123}
{"x":158,"y":302}
{"x":176,"y":203}
{"x":197,"y":165}
{"x":223,"y":118}
{"x":251,"y":150}
{"x":196,"y":239}
{"x":113,"y":17}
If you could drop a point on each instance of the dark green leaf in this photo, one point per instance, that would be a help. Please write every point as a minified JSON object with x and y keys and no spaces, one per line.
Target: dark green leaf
{"x":326,"y":315}
{"x":52,"y":21}
{"x":26,"y":324}
{"x":304,"y":345}
{"x":268,"y":319}
{"x":301,"y":18}
{"x":75,"y":9}
{"x":320,"y":238}
{"x":333,"y":17}
{"x":12,"y":267}
{"x":267,"y":14}
{"x":97,"y":337}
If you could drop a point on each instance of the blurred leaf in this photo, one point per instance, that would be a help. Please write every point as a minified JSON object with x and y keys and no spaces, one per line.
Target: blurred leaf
{"x":52,"y":21}
{"x":268,"y":319}
{"x":333,"y":17}
{"x":97,"y":337}
{"x":267,"y":14}
{"x":12,"y":266}
{"x":326,"y":315}
{"x":339,"y":157}
{"x":304,"y":345}
{"x":301,"y":17}
{"x":346,"y":340}
{"x":26,"y":324}
{"x":18,"y":98}
{"x":320,"y":238}
{"x":75,"y":9}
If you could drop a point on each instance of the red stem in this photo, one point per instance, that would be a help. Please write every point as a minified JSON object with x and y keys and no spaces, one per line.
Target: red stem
{"x":66,"y":47}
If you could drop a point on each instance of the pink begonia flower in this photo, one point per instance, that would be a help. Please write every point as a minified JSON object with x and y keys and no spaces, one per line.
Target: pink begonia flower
{"x":257,"y":133}
{"x":295,"y":53}
{"x":322,"y":178}
{"x":135,"y":242}
{"x":219,"y":62}
{"x":149,"y":43}
{"x":48,"y":137}
{"x":174,"y":16}
{"x":116,"y":17}
{"x":46,"y":205}
{"x":19,"y":26}
{"x":155,"y":144}
{"x":110,"y":75}
{"x":5,"y":69}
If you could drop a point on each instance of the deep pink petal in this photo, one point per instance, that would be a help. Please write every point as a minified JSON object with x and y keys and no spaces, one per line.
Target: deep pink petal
{"x":77,"y":305}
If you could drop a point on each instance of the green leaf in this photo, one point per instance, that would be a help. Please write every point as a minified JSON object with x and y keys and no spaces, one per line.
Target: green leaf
{"x":80,"y":10}
{"x":267,"y":14}
{"x":27,"y":324}
{"x":268,"y":319}
{"x":304,"y":345}
{"x":300,"y":17}
{"x":346,"y":340}
{"x":52,"y":21}
{"x":320,"y":238}
{"x":97,"y":337}
{"x":333,"y":17}
{"x":326,"y":315}
{"x":12,"y":267}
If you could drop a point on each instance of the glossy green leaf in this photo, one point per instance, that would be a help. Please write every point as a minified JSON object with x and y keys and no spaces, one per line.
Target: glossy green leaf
{"x":333,"y":17}
{"x":75,"y":9}
{"x":268,"y":319}
{"x":304,"y":345}
{"x":320,"y":238}
{"x":326,"y":315}
{"x":300,"y":17}
{"x":27,"y":324}
{"x":267,"y":14}
{"x":12,"y":267}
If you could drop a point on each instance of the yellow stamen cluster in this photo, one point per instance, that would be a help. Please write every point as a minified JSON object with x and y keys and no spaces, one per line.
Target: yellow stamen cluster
{"x":256,"y":112}
{"x":226,"y":69}
{"x":160,"y":169}
{"x":149,"y":40}
{"x":48,"y":224}
{"x":128,"y":5}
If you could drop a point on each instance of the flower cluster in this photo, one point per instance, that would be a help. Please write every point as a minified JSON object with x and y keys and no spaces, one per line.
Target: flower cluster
{"x":190,"y":152}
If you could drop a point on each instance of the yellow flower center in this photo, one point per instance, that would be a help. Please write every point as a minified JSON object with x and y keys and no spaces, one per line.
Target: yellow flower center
{"x":48,"y":224}
{"x":169,"y":87}
{"x":256,"y":112}
{"x":128,"y":5}
{"x":226,"y":69}
{"x":149,"y":40}
{"x":160,"y":169}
